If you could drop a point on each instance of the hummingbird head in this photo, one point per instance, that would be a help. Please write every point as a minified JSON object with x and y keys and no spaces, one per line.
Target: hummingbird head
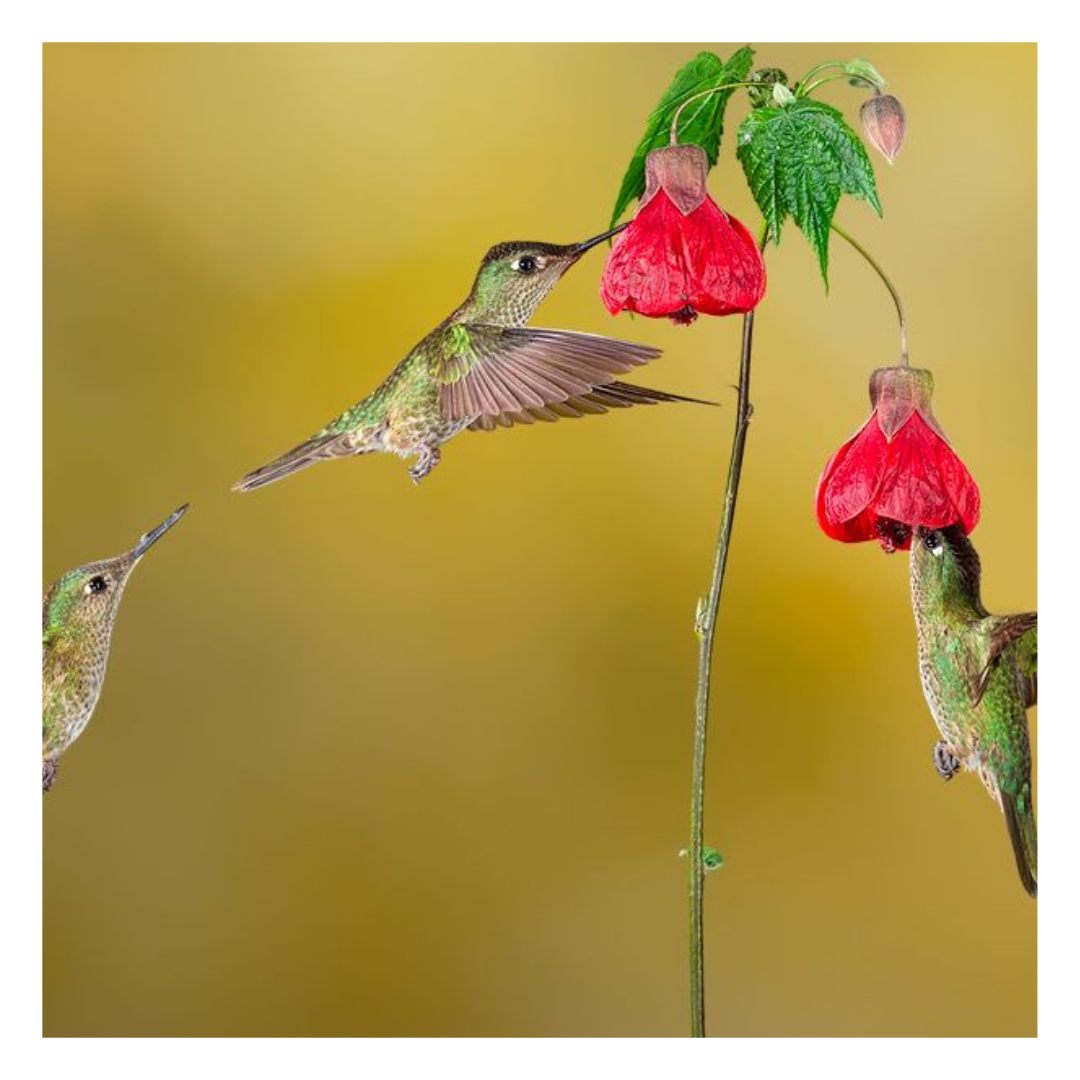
{"x":945,"y":568}
{"x":82,"y":604}
{"x":515,"y":277}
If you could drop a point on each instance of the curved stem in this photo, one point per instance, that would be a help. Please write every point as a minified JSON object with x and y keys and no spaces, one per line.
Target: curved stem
{"x":804,"y":90}
{"x":824,"y":66}
{"x":706,"y":631}
{"x":888,"y":285}
{"x":694,"y":97}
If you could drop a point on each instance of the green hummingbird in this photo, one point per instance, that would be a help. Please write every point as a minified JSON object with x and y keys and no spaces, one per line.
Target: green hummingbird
{"x":482,"y":368}
{"x":979,"y":675}
{"x":77,"y":617}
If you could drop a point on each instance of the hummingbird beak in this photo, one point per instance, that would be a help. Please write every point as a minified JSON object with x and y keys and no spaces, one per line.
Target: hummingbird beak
{"x":154,"y":535}
{"x":579,"y":249}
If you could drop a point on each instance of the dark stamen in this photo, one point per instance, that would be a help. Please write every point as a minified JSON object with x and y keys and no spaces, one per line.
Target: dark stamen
{"x":891,"y":534}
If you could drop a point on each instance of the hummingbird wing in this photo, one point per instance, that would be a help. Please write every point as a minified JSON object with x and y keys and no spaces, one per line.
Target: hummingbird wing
{"x":484,"y":370}
{"x":616,"y":395}
{"x":1001,"y":631}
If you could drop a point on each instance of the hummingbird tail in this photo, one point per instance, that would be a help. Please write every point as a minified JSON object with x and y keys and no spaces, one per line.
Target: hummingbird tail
{"x":320,"y":448}
{"x":1021,"y":823}
{"x":626,"y":394}
{"x":613,"y":395}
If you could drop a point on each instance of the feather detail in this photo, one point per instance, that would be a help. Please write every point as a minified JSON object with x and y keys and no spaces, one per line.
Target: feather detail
{"x":494,"y":370}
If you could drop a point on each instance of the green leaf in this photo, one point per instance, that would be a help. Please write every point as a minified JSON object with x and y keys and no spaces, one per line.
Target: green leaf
{"x":863,"y":72}
{"x":701,"y":122}
{"x":799,"y":160}
{"x":711,"y":859}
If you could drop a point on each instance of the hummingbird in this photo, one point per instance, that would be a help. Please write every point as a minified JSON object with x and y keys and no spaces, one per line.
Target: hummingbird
{"x":77,"y":617}
{"x":979,"y":676}
{"x":482,"y":368}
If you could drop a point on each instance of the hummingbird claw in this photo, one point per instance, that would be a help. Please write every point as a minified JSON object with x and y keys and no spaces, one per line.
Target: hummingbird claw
{"x":945,"y":761}
{"x":427,"y":459}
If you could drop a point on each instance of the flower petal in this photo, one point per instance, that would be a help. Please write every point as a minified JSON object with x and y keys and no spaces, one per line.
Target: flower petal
{"x":850,"y":483}
{"x":667,"y":262}
{"x":726,"y":270}
{"x":646,"y":271}
{"x":924,"y":482}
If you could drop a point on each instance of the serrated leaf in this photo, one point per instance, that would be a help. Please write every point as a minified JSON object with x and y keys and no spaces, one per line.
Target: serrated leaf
{"x":701,"y":122}
{"x":799,"y":160}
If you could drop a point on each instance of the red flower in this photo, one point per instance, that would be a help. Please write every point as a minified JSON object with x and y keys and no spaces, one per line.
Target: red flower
{"x":897,"y":471}
{"x":682,"y":254}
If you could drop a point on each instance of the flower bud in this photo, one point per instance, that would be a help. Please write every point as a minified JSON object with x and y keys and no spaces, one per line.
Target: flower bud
{"x":884,"y":124}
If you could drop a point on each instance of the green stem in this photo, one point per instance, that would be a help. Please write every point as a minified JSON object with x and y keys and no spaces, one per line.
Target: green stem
{"x":706,"y":631}
{"x":888,"y":285}
{"x":674,"y":140}
{"x":804,"y":89}
{"x":825,"y":65}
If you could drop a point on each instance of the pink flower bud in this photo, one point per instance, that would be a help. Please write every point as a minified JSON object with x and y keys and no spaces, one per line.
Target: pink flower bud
{"x":884,"y":124}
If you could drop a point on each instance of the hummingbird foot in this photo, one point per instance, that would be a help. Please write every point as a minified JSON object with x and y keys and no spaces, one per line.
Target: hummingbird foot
{"x":426,"y":460}
{"x":945,"y":761}
{"x":48,"y":773}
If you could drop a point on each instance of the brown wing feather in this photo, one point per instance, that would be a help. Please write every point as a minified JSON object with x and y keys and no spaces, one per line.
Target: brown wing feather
{"x":495,"y":370}
{"x":1004,"y":631}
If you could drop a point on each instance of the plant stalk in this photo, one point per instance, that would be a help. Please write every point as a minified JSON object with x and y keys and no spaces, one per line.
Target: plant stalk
{"x":807,"y":89}
{"x":888,"y":285}
{"x":674,"y":133}
{"x":706,"y":631}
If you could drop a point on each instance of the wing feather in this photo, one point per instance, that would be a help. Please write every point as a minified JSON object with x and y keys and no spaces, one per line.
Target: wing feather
{"x":494,"y":370}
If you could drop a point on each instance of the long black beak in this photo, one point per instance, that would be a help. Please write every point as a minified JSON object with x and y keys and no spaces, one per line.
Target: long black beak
{"x":154,"y":535}
{"x":579,"y":249}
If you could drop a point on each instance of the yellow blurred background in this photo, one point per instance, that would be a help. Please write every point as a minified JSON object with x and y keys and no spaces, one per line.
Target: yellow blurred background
{"x":375,"y":759}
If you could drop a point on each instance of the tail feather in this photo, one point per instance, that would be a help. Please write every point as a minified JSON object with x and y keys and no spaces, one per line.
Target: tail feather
{"x":1020,"y":820}
{"x":613,"y":395}
{"x":626,"y":394}
{"x":320,"y":448}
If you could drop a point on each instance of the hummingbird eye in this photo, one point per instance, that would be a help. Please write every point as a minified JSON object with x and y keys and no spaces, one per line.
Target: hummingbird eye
{"x":933,"y":543}
{"x":95,"y":585}
{"x":525,"y":264}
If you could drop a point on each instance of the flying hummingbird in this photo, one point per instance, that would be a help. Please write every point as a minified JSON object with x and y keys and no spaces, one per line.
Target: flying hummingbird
{"x":979,"y":675}
{"x":76,"y":625}
{"x":481,"y":368}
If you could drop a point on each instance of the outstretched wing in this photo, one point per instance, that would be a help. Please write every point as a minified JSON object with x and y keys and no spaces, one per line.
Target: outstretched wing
{"x":1002,"y":631}
{"x":492,"y":371}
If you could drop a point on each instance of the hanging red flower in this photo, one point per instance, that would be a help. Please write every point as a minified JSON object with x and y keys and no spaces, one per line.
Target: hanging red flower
{"x":897,"y":471}
{"x":682,"y":255}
